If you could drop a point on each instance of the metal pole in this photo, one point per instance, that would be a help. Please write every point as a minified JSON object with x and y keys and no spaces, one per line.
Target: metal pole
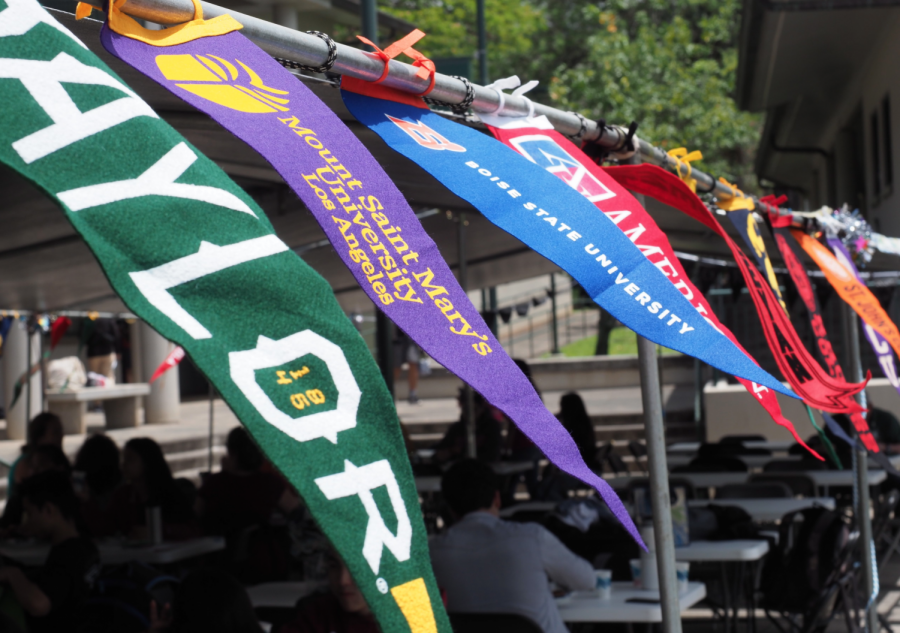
{"x":28,"y":372}
{"x":553,"y":320}
{"x":209,"y":460}
{"x":468,"y":396}
{"x":482,"y":44}
{"x":862,"y":475}
{"x":309,"y":50}
{"x":651,"y":398}
{"x":369,"y":17}
{"x":384,"y":344}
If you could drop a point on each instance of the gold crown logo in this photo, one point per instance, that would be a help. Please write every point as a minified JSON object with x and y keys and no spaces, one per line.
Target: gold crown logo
{"x":215,"y":79}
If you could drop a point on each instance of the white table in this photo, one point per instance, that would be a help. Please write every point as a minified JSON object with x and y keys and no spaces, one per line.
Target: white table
{"x":765,"y":510}
{"x":693,"y":447}
{"x":34,"y":553}
{"x":120,"y":405}
{"x":282,"y":595}
{"x":429,"y":483}
{"x":752,"y":461}
{"x":722,"y":551}
{"x":697,"y":480}
{"x":586,"y":606}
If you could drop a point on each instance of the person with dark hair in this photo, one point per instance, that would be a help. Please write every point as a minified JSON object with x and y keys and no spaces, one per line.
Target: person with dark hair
{"x":97,"y":475}
{"x":149,"y":483}
{"x":488,"y":434}
{"x":242,"y":494}
{"x":207,"y":601}
{"x":44,"y":429}
{"x":41,"y":459}
{"x":487,"y":565}
{"x":51,"y":598}
{"x":342,"y":609}
{"x":574,"y":417}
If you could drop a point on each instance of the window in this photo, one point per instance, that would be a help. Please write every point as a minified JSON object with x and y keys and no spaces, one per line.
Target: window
{"x":876,"y":156}
{"x":886,"y":135}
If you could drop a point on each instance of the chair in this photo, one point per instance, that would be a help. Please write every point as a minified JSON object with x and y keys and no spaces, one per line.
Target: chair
{"x":769,"y":490}
{"x":492,"y":623}
{"x":720,"y":465}
{"x":800,"y":485}
{"x":793,"y":465}
{"x":740,"y":439}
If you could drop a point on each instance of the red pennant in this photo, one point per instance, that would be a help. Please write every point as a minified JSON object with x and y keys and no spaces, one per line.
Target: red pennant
{"x":596,"y":185}
{"x":802,"y":372}
{"x":58,"y":329}
{"x":174,"y":357}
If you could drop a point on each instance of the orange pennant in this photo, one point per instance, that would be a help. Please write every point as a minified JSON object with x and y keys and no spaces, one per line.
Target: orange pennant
{"x":851,"y":289}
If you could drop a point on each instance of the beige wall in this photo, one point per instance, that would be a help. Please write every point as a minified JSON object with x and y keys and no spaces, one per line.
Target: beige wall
{"x":730,"y":411}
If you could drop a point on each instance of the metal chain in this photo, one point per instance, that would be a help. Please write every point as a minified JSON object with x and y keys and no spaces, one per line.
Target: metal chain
{"x":463,"y":106}
{"x":329,"y":60}
{"x":583,"y":129}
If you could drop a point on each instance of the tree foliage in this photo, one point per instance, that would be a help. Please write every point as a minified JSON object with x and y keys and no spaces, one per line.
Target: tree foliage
{"x":670,"y":65}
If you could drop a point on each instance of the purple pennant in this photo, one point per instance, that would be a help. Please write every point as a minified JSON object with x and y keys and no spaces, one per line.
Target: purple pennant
{"x":363,"y":214}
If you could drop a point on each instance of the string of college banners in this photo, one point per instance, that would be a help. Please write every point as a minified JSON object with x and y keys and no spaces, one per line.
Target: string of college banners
{"x":787,"y":246}
{"x":362,"y":212}
{"x":192,"y":254}
{"x":744,"y":221}
{"x":536,"y":140}
{"x":551,"y":218}
{"x":802,"y":371}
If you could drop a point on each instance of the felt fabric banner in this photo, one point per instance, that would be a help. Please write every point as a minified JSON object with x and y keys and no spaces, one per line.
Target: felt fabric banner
{"x":170,"y":361}
{"x":841,"y":273}
{"x":553,"y":219}
{"x":803,"y":373}
{"x":745,"y":222}
{"x":787,"y":245}
{"x":536,"y":140}
{"x":879,"y":345}
{"x":363,"y":214}
{"x":195,"y":257}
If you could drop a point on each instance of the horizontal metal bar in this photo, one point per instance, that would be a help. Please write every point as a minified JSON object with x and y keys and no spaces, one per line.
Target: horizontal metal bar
{"x":310,"y":50}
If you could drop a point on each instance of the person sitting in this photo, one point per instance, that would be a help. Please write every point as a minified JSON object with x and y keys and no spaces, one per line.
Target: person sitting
{"x":149,"y":483}
{"x":242,"y":494}
{"x":41,"y":459}
{"x":51,"y":598}
{"x":342,"y":609}
{"x":488,"y":436}
{"x":240,"y":502}
{"x":574,"y":417}
{"x":487,"y":565}
{"x":44,"y":429}
{"x":96,"y":476}
{"x":206,"y":601}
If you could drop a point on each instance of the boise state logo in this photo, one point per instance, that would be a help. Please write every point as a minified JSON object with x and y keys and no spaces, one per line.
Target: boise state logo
{"x":425,"y":136}
{"x":545,"y":152}
{"x":218,"y":80}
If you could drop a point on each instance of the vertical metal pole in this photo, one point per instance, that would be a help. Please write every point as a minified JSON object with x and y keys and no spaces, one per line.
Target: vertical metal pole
{"x":482,"y":44}
{"x":28,"y":373}
{"x":369,"y":18}
{"x":862,"y":476}
{"x":384,"y":344}
{"x":659,"y":479}
{"x":209,"y":458}
{"x":553,"y":320}
{"x":468,"y":397}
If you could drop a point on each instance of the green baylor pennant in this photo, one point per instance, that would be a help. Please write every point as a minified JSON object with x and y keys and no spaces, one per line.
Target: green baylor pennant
{"x":193,"y":255}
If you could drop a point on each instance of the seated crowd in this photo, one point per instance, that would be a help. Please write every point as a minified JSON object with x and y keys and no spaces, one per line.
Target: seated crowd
{"x":482,"y":563}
